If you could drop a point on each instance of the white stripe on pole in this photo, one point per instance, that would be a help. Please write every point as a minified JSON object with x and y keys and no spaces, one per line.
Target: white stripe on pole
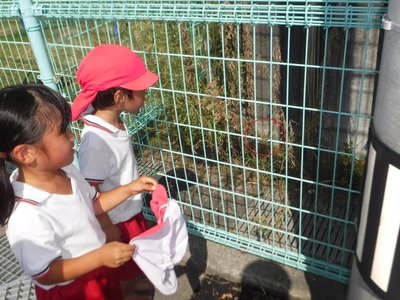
{"x":365,"y":203}
{"x":388,"y":231}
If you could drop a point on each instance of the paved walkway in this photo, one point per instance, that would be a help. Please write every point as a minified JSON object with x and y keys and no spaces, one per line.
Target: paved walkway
{"x":205,"y":257}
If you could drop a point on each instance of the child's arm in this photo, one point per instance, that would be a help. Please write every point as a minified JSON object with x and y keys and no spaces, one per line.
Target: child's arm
{"x":111,"y":255}
{"x":111,"y":231}
{"x":111,"y":199}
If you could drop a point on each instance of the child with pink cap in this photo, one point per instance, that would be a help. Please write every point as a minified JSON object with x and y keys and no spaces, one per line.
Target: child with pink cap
{"x":114,"y":79}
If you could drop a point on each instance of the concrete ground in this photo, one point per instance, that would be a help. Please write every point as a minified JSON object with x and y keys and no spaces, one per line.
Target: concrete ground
{"x":205,"y":257}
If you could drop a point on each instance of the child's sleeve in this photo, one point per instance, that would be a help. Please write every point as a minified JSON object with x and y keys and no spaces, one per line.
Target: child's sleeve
{"x":94,"y":160}
{"x":33,"y":243}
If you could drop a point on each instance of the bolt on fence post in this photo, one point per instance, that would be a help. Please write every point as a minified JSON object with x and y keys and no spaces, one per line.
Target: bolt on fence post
{"x":33,"y":29}
{"x":376,"y":269}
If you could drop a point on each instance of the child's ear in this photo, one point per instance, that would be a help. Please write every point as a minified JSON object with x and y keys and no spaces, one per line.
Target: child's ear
{"x":24,"y":153}
{"x":119,"y":97}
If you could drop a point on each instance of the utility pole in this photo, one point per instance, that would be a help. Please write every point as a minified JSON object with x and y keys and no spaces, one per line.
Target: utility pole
{"x":376,"y":266}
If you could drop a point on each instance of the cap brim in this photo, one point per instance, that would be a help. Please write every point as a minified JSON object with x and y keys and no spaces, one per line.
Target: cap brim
{"x":145,"y":81}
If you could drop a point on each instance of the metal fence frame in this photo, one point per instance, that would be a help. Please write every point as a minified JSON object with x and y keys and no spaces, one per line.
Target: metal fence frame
{"x":288,"y":225}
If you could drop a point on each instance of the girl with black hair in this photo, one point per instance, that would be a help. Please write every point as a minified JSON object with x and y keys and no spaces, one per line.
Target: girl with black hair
{"x":48,"y":208}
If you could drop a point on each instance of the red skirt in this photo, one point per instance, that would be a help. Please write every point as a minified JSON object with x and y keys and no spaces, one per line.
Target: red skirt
{"x":100,"y":284}
{"x":129,"y":229}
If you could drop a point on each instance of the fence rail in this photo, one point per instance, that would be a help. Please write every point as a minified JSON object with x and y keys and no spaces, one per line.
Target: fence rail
{"x":352,"y":14}
{"x":322,"y":14}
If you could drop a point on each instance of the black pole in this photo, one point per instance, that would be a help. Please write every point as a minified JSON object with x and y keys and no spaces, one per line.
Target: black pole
{"x":376,"y":267}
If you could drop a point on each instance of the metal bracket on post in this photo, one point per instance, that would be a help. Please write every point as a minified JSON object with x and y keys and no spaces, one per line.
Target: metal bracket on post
{"x":389,"y":25}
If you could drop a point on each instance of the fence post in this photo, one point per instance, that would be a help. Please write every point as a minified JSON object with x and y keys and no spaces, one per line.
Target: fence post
{"x":33,"y":29}
{"x":376,"y":268}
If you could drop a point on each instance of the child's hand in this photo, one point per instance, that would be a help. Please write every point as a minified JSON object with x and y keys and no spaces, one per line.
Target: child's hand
{"x":115,"y":254}
{"x":112,"y":198}
{"x":142,"y":184}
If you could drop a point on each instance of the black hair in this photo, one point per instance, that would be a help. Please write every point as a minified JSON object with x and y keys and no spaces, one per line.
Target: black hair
{"x":27,"y":112}
{"x":105,"y":98}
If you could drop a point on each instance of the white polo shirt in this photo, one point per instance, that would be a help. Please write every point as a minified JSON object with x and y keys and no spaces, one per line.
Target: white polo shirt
{"x":106,"y":158}
{"x":44,"y":227}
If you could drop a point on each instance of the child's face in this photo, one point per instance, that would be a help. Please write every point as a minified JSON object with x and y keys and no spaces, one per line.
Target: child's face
{"x":56,"y":150}
{"x":135,"y":102}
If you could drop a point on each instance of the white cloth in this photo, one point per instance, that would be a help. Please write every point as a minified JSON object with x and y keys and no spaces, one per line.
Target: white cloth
{"x":161,"y":247}
{"x":106,"y":158}
{"x":44,"y":227}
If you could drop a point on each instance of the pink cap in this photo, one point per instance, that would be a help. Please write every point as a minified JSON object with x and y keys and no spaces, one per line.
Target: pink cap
{"x":160,"y":248}
{"x":109,"y":66}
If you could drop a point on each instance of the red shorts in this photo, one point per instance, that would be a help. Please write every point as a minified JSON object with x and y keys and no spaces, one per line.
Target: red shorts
{"x":100,"y":284}
{"x":129,"y":229}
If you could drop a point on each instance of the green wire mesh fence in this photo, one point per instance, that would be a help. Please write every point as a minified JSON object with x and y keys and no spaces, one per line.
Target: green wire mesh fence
{"x":259,"y":122}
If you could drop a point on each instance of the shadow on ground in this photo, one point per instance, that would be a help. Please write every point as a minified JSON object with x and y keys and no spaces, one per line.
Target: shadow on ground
{"x":214,"y":287}
{"x":204,"y":284}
